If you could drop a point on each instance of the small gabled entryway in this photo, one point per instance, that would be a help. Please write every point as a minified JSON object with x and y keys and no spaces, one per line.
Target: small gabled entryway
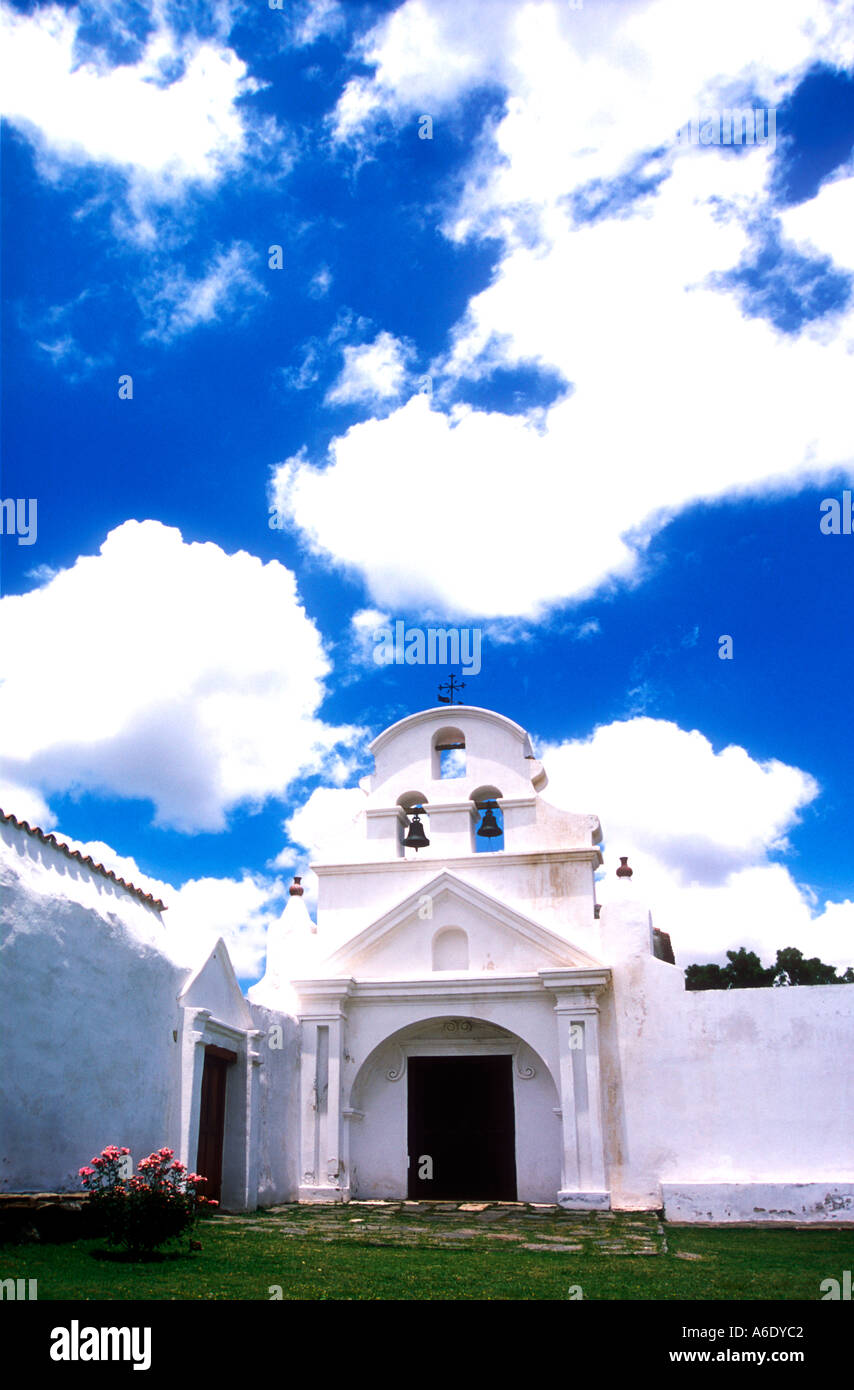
{"x":461,"y":1128}
{"x":212,"y":1119}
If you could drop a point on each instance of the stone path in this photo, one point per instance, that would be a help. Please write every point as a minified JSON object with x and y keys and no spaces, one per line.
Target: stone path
{"x":440,"y":1225}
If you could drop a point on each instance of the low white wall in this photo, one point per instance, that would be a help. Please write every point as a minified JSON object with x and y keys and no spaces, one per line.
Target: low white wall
{"x":805,"y":1203}
{"x":722,"y":1089}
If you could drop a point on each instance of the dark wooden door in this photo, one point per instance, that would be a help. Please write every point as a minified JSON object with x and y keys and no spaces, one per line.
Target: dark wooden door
{"x":212,"y":1120}
{"x":461,"y":1118}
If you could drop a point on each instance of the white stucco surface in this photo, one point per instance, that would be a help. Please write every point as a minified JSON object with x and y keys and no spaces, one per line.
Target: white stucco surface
{"x":90,"y":1005}
{"x":104,"y":1036}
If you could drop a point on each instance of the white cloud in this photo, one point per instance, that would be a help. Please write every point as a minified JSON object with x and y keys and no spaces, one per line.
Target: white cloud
{"x":824,"y":221}
{"x":177,"y":303}
{"x":372,"y":373}
{"x":202,"y":910}
{"x":364,"y":625}
{"x":320,"y":283}
{"x":323,"y":826}
{"x":623,"y":308}
{"x":165,"y":671}
{"x":315,"y":19}
{"x":167,"y":121}
{"x":238,"y":910}
{"x":26,"y":803}
{"x":697,"y":828}
{"x":425,"y":56}
{"x":550,"y":530}
{"x":597,"y":83}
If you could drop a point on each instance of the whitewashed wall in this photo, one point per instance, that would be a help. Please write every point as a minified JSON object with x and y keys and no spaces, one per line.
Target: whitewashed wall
{"x":101,"y":1041}
{"x":725,"y":1104}
{"x":90,"y":1005}
{"x":277,"y":1136}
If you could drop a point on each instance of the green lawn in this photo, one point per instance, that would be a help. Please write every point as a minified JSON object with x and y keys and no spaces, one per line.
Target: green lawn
{"x":242,"y":1262}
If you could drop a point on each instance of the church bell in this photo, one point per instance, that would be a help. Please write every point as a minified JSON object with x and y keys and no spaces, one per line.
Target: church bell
{"x":415,"y":837}
{"x":489,"y":827}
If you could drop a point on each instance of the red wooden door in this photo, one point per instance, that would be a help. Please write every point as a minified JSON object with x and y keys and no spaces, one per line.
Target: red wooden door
{"x":212,"y":1119}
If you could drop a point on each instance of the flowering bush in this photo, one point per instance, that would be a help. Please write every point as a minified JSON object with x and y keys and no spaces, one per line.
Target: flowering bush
{"x":144,"y":1212}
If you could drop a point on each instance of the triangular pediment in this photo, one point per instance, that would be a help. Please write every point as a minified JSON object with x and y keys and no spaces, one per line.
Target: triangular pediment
{"x":214,"y":986}
{"x":403,"y":943}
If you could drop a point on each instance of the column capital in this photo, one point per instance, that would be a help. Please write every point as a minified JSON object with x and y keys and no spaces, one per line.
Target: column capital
{"x":576,"y":988}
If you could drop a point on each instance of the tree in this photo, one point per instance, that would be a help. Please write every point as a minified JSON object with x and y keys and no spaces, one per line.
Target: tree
{"x":746,"y":971}
{"x":792,"y":969}
{"x":705,"y":977}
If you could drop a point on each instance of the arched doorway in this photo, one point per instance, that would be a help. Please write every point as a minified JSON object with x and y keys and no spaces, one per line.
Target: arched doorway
{"x":454,"y":1108}
{"x":461,"y":1128}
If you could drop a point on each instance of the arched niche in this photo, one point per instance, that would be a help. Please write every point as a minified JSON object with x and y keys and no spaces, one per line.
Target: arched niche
{"x":451,"y":949}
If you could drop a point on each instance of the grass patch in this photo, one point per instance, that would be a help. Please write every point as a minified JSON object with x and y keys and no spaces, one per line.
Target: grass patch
{"x":241,"y":1261}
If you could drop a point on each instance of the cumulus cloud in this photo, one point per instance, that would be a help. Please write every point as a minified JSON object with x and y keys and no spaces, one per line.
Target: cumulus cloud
{"x":238,"y":910}
{"x":178,"y":303}
{"x":131,"y":115}
{"x":698,"y":828}
{"x":469,"y":463}
{"x":170,"y":672}
{"x":202,"y":910}
{"x":822,"y":221}
{"x":324,"y":825}
{"x":372,"y":373}
{"x":424,"y":55}
{"x":624,"y":256}
{"x":163,"y":116}
{"x":26,"y":803}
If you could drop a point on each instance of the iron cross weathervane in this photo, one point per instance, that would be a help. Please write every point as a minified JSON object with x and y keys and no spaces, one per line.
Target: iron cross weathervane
{"x":452,"y":690}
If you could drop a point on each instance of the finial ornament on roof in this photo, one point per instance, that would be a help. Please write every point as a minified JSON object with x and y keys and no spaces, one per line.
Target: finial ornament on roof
{"x":624,"y":871}
{"x":296,"y":889}
{"x":451,"y":689}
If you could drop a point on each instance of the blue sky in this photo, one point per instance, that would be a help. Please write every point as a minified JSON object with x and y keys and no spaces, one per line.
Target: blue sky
{"x":534,"y":366}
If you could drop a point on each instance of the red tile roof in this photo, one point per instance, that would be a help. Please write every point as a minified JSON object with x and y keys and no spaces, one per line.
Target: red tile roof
{"x":82,"y":859}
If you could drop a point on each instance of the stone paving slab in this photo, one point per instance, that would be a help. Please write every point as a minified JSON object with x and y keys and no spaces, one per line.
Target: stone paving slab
{"x":441,"y":1225}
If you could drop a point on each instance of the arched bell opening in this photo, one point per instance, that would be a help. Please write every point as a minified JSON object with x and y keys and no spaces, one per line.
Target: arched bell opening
{"x":449,"y":754}
{"x":488,"y":821}
{"x":414,"y":832}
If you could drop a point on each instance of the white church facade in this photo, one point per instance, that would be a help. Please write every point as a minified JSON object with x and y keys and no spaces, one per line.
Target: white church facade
{"x":462,"y":1021}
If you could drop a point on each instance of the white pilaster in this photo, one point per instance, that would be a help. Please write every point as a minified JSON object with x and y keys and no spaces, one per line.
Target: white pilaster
{"x":325,"y":1174}
{"x":583,"y":1180}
